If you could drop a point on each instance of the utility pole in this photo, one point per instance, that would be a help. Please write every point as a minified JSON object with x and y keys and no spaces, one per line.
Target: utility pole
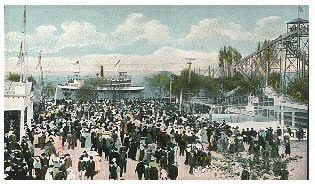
{"x":56,"y":93}
{"x":189,"y":67}
{"x":171,"y":91}
{"x":189,"y":76}
{"x":180,"y":100}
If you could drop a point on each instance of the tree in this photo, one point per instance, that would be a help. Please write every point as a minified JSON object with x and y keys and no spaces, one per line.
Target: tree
{"x":88,"y":91}
{"x":252,"y":85}
{"x":211,"y":85}
{"x":14,"y":77}
{"x":49,"y":89}
{"x":160,"y":81}
{"x":264,"y":61}
{"x":31,"y":79}
{"x":298,"y":89}
{"x":180,"y":82}
{"x":228,"y":56}
{"x":274,"y":81}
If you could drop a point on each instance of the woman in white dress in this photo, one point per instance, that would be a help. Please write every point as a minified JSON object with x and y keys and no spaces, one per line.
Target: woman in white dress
{"x":70,"y":174}
{"x":163,"y":174}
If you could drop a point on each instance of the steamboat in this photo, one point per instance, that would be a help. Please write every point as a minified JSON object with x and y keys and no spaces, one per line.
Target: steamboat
{"x":118,"y":84}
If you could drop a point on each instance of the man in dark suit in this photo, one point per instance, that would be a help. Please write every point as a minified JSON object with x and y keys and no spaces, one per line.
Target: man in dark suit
{"x":245,"y":174}
{"x":113,"y":171}
{"x":171,"y":156}
{"x":81,"y":168}
{"x":90,"y":168}
{"x":140,"y":169}
{"x":172,"y":171}
{"x":122,"y":162}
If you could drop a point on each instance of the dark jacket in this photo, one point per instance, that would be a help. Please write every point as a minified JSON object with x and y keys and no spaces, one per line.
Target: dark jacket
{"x":154,"y":173}
{"x":113,"y":172}
{"x":172,"y":172}
{"x":81,"y":165}
{"x":90,"y":168}
{"x":245,"y":175}
{"x":140,"y":167}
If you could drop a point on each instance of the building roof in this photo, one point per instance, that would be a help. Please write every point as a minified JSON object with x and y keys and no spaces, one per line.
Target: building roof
{"x":17,"y":88}
{"x":298,"y":20}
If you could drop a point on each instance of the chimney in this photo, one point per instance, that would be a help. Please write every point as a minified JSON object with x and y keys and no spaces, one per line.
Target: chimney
{"x":102,"y":71}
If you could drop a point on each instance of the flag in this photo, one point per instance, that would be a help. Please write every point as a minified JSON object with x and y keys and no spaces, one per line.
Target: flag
{"x":117,"y":63}
{"x":24,"y":14}
{"x":300,"y":9}
{"x":39,"y":60}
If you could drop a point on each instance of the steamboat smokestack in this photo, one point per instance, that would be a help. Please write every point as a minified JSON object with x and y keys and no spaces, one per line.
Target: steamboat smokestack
{"x":102,"y":71}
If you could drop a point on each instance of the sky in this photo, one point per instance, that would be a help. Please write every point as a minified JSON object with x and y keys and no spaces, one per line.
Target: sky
{"x":144,"y":38}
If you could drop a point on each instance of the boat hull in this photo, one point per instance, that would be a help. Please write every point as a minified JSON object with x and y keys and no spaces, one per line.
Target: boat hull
{"x":132,"y":88}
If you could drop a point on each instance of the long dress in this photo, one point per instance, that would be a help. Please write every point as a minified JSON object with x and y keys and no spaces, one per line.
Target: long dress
{"x":83,"y":140}
{"x":70,"y":175}
{"x":36,"y":141}
{"x":287,"y":149}
{"x":212,"y":144}
{"x":203,"y":135}
{"x":163,"y":174}
{"x":58,"y":143}
{"x":88,"y":142}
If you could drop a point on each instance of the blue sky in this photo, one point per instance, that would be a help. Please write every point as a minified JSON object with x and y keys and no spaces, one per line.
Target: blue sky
{"x":151,"y":37}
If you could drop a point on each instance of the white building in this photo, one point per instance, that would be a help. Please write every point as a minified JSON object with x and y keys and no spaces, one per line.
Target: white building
{"x":18,"y":96}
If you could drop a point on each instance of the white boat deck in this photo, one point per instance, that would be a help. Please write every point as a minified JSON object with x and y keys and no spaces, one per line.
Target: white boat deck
{"x":131,"y":88}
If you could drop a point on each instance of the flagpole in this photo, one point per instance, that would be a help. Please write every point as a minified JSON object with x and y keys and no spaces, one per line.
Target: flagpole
{"x":298,"y":11}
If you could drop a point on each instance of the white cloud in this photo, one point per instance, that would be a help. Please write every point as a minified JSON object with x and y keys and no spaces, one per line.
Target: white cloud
{"x":266,"y":28}
{"x":156,"y":32}
{"x":166,"y":58}
{"x":13,"y":41}
{"x":43,"y":40}
{"x":46,"y":29}
{"x":209,"y":27}
{"x":78,"y":34}
{"x":138,"y":27}
{"x":75,"y":34}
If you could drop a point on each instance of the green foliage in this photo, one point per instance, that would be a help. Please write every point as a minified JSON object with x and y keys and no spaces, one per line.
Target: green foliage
{"x":94,"y":81}
{"x":251,"y":85}
{"x":298,"y":89}
{"x":161,"y":81}
{"x":211,"y":85}
{"x":14,"y":77}
{"x":228,"y":56}
{"x":85,"y":93}
{"x":31,"y":79}
{"x":247,"y":85}
{"x":88,"y":91}
{"x":49,"y":89}
{"x":228,"y":83}
{"x":274,"y":81}
{"x":264,"y":61}
{"x":181,"y":82}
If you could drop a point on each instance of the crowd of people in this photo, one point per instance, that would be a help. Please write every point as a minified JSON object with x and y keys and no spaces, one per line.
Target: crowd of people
{"x":150,"y":131}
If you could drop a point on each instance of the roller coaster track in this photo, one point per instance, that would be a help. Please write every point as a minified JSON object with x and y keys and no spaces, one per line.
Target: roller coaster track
{"x":291,"y":55}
